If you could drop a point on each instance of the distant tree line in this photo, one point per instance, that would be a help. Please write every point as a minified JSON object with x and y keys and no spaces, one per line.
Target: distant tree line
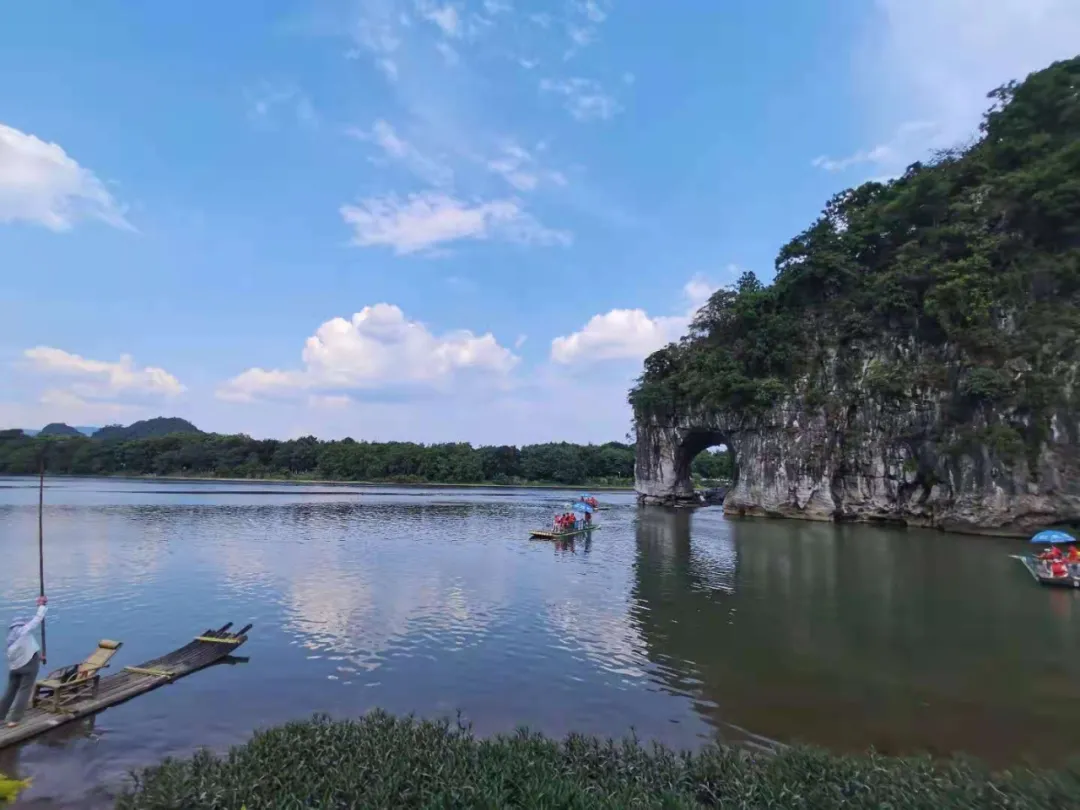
{"x":240,"y":456}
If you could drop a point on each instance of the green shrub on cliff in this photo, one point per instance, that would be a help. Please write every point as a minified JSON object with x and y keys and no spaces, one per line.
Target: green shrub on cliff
{"x":970,"y":260}
{"x":383,"y":762}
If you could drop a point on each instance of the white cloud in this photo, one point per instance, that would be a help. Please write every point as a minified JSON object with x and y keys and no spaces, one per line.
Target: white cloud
{"x":330,"y":401}
{"x":630,"y":334}
{"x":618,"y":334}
{"x":445,"y":17}
{"x":397,"y":148}
{"x":910,"y":136}
{"x":388,"y":67}
{"x":377,"y":348}
{"x":584,"y":99}
{"x":698,"y":289}
{"x":583,"y":26}
{"x":420,"y":222}
{"x":377,"y":30}
{"x":448,"y":113}
{"x":581,"y":35}
{"x":934,"y":61}
{"x":103,"y":379}
{"x":461,"y":283}
{"x":540,"y":19}
{"x":42,"y":184}
{"x":449,"y":55}
{"x":593,"y":10}
{"x":496,"y":6}
{"x":75,"y":408}
{"x":518,"y":167}
{"x":264,"y":101}
{"x":59,"y":405}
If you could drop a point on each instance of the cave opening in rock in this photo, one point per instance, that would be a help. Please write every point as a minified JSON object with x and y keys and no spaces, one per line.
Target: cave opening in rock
{"x":707,"y":462}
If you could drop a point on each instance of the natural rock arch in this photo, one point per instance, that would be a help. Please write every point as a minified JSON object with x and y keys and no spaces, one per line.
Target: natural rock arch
{"x":762,"y":485}
{"x":870,"y":463}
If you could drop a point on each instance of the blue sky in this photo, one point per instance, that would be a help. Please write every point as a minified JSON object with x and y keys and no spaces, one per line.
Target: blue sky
{"x":435,"y":219}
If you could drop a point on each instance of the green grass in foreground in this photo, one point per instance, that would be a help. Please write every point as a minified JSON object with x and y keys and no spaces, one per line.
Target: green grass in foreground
{"x":380,"y":761}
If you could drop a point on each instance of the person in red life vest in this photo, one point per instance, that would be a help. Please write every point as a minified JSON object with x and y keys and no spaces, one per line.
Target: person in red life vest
{"x":1059,"y":569}
{"x":1073,"y":555}
{"x":1053,"y":553}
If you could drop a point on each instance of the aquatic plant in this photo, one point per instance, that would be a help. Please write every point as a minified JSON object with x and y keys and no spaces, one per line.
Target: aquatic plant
{"x":11,"y":788}
{"x":381,"y":761}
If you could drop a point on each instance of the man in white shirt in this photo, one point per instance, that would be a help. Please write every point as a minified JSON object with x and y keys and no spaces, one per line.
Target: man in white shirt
{"x":24,"y":660}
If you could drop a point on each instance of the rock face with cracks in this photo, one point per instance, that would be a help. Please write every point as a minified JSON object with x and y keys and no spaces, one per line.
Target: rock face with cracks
{"x":871,"y":461}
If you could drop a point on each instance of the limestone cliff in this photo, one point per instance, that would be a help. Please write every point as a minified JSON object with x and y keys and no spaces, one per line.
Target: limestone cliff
{"x":864,"y":456}
{"x":915,"y":358}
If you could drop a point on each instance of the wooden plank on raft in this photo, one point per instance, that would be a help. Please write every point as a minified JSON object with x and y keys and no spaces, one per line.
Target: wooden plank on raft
{"x":211,"y":647}
{"x":157,"y":673}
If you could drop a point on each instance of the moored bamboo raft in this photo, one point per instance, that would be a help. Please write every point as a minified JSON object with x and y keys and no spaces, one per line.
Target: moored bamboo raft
{"x":211,"y":647}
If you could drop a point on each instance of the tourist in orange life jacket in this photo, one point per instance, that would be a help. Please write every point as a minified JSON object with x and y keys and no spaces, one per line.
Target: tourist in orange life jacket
{"x":1073,"y":555}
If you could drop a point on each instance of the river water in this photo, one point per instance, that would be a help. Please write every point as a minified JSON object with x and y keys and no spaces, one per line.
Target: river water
{"x":678,"y":625}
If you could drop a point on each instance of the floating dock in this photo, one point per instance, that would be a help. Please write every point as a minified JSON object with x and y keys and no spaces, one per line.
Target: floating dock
{"x":212,"y":647}
{"x":541,"y":534}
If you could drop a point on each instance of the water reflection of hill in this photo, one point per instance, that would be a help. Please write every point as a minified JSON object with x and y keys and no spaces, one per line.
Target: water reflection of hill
{"x":851,"y":636}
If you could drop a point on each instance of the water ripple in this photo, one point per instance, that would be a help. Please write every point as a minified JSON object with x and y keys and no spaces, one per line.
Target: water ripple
{"x":679,"y":624}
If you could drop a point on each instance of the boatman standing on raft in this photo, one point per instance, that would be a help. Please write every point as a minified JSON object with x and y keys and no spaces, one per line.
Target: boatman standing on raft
{"x":24,"y":660}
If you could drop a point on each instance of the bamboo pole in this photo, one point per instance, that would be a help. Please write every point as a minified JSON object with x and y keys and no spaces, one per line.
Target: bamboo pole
{"x":41,"y":543}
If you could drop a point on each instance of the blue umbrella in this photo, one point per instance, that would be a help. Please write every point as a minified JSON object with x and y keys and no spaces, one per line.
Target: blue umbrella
{"x":1053,"y":536}
{"x":580,"y":506}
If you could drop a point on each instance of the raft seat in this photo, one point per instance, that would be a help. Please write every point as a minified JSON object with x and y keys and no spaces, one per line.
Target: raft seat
{"x":67,"y":684}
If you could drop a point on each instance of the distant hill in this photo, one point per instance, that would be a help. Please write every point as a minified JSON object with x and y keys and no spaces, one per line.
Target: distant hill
{"x":146,"y":429}
{"x":85,"y":430}
{"x":59,"y":429}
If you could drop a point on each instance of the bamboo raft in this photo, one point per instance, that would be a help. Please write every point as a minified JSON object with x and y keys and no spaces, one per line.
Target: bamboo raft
{"x":212,"y":647}
{"x":1032,"y":565}
{"x":541,"y":534}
